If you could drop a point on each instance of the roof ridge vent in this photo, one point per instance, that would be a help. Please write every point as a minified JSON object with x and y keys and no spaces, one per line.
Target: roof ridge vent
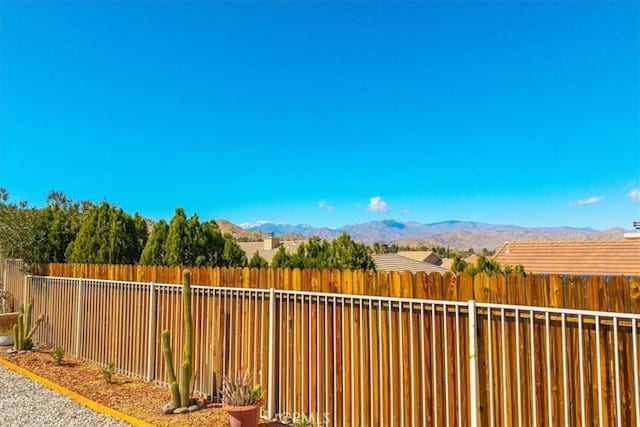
{"x":636,"y":233}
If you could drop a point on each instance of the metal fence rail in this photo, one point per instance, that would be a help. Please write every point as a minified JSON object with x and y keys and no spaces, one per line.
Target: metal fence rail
{"x":104,"y":321}
{"x":572,"y":367}
{"x":362,"y":360}
{"x":367,"y":360}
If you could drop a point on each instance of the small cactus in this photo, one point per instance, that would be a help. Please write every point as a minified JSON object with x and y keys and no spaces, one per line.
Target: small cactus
{"x":171,"y":373}
{"x":180,"y":395}
{"x":108,"y":371}
{"x":21,"y":332}
{"x":57,"y":355}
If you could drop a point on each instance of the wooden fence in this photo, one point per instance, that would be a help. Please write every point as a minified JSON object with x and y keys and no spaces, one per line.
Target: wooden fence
{"x":614,"y":293}
{"x":365,"y":348}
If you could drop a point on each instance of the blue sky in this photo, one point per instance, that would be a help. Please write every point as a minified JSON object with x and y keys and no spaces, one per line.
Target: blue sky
{"x":327,"y":112}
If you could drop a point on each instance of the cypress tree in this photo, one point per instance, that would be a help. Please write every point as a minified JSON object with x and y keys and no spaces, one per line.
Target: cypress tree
{"x":281,"y":258}
{"x":211,"y":245}
{"x":193,"y":250}
{"x":233,"y":255}
{"x":122,"y":240}
{"x":175,"y":247}
{"x":153,"y":252}
{"x":106,"y":236}
{"x":142,"y":233}
{"x":257,"y":261}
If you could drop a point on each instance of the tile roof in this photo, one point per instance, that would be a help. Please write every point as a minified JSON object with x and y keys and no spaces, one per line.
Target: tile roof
{"x":593,"y":257}
{"x":395,"y":262}
{"x":424,"y":256}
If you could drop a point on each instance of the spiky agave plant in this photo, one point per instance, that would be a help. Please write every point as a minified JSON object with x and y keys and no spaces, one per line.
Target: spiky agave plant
{"x":239,"y":390}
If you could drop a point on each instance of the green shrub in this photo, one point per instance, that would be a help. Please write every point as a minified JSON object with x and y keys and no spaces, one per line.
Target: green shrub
{"x":108,"y":371}
{"x":57,"y":355}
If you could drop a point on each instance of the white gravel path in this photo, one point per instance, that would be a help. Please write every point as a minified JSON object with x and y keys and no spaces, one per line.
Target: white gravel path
{"x":24,"y":402}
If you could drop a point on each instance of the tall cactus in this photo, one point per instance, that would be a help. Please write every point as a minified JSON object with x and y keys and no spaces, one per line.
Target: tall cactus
{"x":180,"y":391}
{"x":187,"y":351}
{"x":171,"y":373}
{"x":21,"y":332}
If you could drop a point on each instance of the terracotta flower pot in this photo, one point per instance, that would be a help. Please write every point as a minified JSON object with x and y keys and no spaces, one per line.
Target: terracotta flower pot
{"x":243,"y":416}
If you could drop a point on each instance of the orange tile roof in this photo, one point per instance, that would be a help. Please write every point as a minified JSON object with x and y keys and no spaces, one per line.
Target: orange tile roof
{"x":593,"y":257}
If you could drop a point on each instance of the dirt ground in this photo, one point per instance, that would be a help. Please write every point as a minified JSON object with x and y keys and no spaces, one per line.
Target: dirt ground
{"x":134,"y":397}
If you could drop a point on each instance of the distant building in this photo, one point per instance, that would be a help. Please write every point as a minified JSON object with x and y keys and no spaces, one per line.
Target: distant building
{"x":397,"y":262}
{"x":423,"y":256}
{"x":270,"y":243}
{"x":269,"y":246}
{"x":592,"y":257}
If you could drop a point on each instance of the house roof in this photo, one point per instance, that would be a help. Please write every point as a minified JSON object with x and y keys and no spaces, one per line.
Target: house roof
{"x":447,"y":263}
{"x":471,"y":259}
{"x":594,"y":257}
{"x":395,"y":262}
{"x":424,"y":256}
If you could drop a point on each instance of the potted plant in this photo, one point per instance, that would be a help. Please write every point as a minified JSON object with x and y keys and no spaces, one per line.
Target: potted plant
{"x":241,"y":399}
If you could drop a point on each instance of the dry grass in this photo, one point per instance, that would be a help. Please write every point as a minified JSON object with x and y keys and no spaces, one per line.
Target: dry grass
{"x":137,"y":398}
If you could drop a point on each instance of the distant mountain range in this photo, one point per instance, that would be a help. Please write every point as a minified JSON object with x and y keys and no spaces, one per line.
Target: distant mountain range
{"x":455,"y":234}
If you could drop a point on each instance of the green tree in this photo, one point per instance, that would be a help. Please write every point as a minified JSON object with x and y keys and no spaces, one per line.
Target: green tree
{"x":382,"y":248}
{"x":18,"y":228}
{"x":58,"y":199}
{"x":313,"y":254}
{"x":211,"y":244}
{"x":57,"y":226}
{"x":281,"y":258}
{"x":153,"y":252}
{"x":123,"y":241}
{"x":142,"y":231}
{"x":257,"y":261}
{"x":342,"y":253}
{"x":458,"y":265}
{"x":189,"y":242}
{"x":347,"y":254}
{"x":39,"y":235}
{"x":176,"y":247}
{"x":233,"y":255}
{"x":193,"y":251}
{"x":516,"y":269}
{"x":106,"y":236}
{"x":484,"y":265}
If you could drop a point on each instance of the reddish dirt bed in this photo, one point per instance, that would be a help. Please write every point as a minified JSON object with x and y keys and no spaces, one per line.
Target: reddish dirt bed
{"x":134,"y":397}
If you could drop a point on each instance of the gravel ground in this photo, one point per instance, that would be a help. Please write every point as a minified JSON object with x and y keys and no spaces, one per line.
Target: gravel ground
{"x":24,"y":402}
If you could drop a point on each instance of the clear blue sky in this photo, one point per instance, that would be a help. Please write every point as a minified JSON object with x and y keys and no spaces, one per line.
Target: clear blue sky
{"x":319,"y":112}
